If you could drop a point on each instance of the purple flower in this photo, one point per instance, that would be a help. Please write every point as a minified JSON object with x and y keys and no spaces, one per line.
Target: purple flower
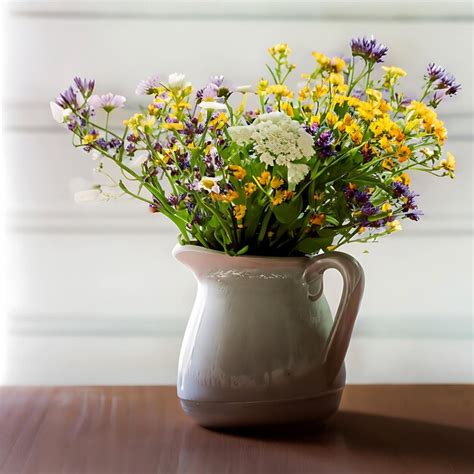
{"x":312,"y":129}
{"x":368,"y":49}
{"x":324,"y":143}
{"x":69,"y":99}
{"x":209,"y":92}
{"x":368,"y":209}
{"x":414,"y":214}
{"x":217,"y":80}
{"x":148,"y":86}
{"x":85,"y":86}
{"x":361,"y":197}
{"x":445,"y":81}
{"x":108,"y":102}
{"x":435,"y":72}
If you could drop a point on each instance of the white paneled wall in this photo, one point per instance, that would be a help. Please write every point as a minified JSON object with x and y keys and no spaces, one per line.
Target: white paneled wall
{"x":94,"y":296}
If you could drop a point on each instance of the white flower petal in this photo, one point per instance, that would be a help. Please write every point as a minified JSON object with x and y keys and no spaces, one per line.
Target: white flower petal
{"x":176,"y":80}
{"x":57,"y":112}
{"x":211,"y":105}
{"x":245,"y":89}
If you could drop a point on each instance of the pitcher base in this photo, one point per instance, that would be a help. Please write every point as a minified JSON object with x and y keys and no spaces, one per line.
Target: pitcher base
{"x":261,"y":413}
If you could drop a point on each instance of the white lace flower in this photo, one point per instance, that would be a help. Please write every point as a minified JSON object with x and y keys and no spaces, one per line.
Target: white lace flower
{"x":277,"y":139}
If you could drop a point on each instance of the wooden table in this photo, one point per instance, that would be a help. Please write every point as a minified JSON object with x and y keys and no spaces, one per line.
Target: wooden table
{"x":380,"y":429}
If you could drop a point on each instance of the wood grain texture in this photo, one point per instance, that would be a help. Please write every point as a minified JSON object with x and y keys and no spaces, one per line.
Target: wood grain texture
{"x":380,"y":429}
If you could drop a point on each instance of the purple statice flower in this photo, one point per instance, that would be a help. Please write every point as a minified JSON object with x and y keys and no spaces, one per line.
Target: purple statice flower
{"x":131,"y":148}
{"x":85,"y":86}
{"x":361,"y":197}
{"x":312,"y":129}
{"x":173,"y":200}
{"x":368,"y":209}
{"x":368,"y":49}
{"x":148,"y":86}
{"x":435,"y":72}
{"x":324,"y":143}
{"x":101,"y":143}
{"x":108,"y":102}
{"x":445,"y":81}
{"x":69,"y":99}
{"x":414,"y":214}
{"x":268,"y":109}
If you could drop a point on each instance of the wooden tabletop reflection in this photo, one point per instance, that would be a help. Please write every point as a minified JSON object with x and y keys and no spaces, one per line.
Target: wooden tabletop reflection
{"x":379,"y":429}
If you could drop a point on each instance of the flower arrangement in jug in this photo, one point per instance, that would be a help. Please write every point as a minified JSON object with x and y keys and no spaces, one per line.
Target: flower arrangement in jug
{"x":266,"y":170}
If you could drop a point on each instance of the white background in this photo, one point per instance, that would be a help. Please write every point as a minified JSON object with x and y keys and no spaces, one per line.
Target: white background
{"x":94,"y":296}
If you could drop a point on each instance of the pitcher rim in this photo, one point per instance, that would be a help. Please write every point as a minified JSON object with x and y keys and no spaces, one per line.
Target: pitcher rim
{"x":299,"y":263}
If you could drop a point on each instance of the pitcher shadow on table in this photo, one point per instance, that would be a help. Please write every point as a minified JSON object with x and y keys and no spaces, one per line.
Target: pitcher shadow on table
{"x":361,"y":432}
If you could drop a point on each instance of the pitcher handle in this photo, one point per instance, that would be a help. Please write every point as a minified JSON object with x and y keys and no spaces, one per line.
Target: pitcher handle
{"x":352,"y":290}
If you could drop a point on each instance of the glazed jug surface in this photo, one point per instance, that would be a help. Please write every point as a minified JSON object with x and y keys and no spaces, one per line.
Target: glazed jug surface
{"x":261,"y":345}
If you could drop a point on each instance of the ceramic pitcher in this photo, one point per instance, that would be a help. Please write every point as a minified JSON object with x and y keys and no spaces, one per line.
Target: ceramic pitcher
{"x":261,"y":345}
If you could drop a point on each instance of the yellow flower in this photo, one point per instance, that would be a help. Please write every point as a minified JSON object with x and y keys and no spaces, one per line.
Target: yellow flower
{"x":181,"y":105}
{"x":318,"y":219}
{"x":238,"y":171}
{"x":276,"y":182}
{"x":303,"y":93}
{"x":336,"y":79}
{"x":331,"y":118}
{"x":239,"y":211}
{"x":338,"y":64}
{"x":377,"y":127}
{"x":345,"y":122}
{"x":287,"y":108}
{"x":394,"y":226}
{"x":404,"y":178}
{"x":281,"y":49}
{"x":319,"y":91}
{"x":172,"y":125}
{"x":394,"y":71}
{"x":278,"y":198}
{"x":388,"y":164}
{"x":439,"y":131}
{"x":250,"y":188}
{"x":217,"y":197}
{"x":387,"y":208}
{"x":89,"y":138}
{"x":262,"y":86}
{"x":219,"y":122}
{"x":384,"y":142}
{"x":412,"y":125}
{"x":322,"y":59}
{"x":366,"y":110}
{"x":264,"y":178}
{"x":374,"y":94}
{"x":403,"y":153}
{"x":449,"y":164}
{"x":231,"y":196}
{"x":279,"y":91}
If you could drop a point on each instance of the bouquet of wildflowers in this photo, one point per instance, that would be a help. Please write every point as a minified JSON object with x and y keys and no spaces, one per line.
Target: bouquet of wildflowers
{"x":266,"y":170}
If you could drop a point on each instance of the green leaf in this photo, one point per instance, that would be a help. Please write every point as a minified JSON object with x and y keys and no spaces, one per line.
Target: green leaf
{"x":243,"y":250}
{"x":332,"y":220}
{"x":287,"y":212}
{"x":313,"y":245}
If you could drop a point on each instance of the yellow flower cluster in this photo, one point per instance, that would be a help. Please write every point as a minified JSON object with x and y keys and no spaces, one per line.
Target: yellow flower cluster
{"x":430,"y":120}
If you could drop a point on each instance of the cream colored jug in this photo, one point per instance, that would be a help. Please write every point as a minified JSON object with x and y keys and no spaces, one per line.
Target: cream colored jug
{"x":261,"y":346}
